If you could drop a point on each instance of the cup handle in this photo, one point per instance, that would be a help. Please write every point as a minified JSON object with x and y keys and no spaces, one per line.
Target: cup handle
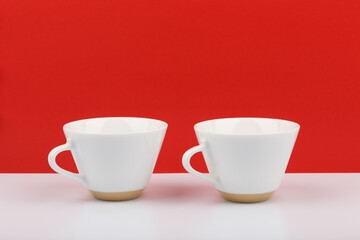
{"x":186,"y":163}
{"x":52,"y":161}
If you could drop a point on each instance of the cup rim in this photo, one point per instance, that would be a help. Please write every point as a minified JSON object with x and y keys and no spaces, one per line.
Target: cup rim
{"x":164,"y":125}
{"x":296,"y":127}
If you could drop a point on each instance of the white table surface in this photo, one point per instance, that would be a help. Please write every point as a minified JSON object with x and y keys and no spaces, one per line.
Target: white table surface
{"x":179,"y":206}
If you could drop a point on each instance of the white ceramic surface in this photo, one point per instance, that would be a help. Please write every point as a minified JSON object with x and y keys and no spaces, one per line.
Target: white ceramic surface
{"x":112,"y":154}
{"x":244,"y":155}
{"x":316,"y":206}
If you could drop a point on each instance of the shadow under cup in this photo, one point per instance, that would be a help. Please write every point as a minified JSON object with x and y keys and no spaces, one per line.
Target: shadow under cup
{"x":246,"y":157}
{"x":115,"y":157}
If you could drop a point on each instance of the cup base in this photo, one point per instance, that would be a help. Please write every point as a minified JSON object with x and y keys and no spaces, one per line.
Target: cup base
{"x":116,"y":196}
{"x":246,"y":198}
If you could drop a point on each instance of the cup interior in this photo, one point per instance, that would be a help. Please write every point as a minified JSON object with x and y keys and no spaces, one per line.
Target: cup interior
{"x":246,"y":126}
{"x":115,"y":125}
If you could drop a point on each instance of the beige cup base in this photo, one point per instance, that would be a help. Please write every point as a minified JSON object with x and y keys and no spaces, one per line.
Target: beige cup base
{"x":116,"y":196}
{"x":247,"y":198}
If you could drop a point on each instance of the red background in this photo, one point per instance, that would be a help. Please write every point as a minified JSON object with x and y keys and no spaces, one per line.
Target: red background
{"x":181,"y":62}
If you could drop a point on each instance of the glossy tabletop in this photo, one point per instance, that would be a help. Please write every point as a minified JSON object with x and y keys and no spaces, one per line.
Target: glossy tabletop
{"x":179,"y":206}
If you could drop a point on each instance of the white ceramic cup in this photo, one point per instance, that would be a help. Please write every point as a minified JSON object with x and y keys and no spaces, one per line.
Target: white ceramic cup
{"x":115,"y":156}
{"x":246,"y":157}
